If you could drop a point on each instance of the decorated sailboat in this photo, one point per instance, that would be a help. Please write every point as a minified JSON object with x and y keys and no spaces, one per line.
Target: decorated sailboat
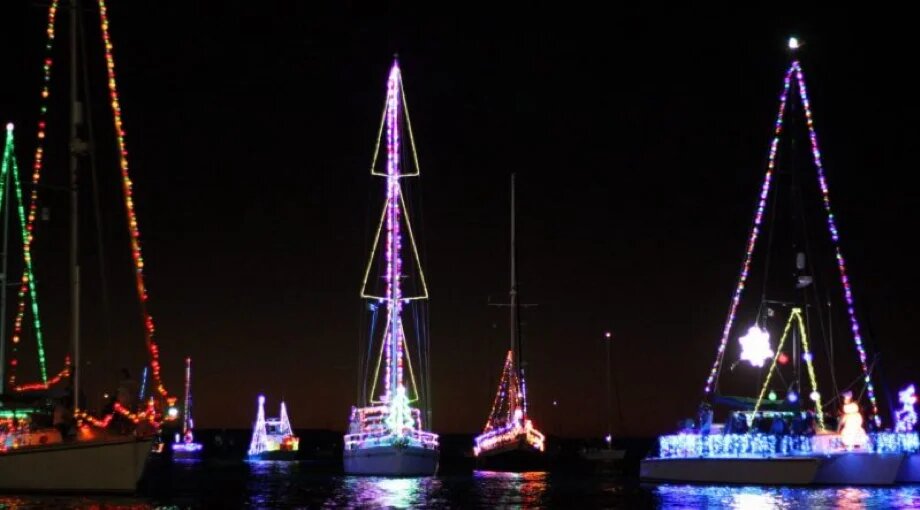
{"x":509,"y":441}
{"x":783,"y":434}
{"x":386,"y":434}
{"x":185,"y":446}
{"x":273,"y":438}
{"x":83,"y":452}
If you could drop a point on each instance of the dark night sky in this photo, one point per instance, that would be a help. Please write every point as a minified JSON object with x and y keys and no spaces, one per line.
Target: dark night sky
{"x":640,"y":140}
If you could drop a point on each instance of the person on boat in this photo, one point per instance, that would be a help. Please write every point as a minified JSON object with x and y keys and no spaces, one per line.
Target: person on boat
{"x":778,"y":427}
{"x":705,"y":418}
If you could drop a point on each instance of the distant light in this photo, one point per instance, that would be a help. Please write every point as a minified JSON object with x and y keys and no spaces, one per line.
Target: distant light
{"x":807,"y":357}
{"x":794,"y":43}
{"x":608,"y":335}
{"x":555,"y":403}
{"x":608,"y":438}
{"x":815,"y":396}
{"x":793,"y":396}
{"x":261,"y":399}
{"x":173,"y":412}
{"x":9,"y":126}
{"x":772,"y":395}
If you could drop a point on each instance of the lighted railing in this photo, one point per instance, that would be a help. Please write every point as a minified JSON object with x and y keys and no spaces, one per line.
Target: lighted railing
{"x":692,"y":445}
{"x":416,"y":438}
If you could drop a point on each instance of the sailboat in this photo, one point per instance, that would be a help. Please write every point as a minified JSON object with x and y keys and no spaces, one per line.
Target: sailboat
{"x":84,"y":453}
{"x":386,"y":434}
{"x":509,"y":440}
{"x":782,"y":435}
{"x":185,"y":446}
{"x":608,"y":455}
{"x":273,"y":438}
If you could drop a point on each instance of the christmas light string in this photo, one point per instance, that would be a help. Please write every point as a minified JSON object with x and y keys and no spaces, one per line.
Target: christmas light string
{"x":27,"y":285}
{"x":835,"y":237}
{"x":127,"y":188}
{"x":752,"y":239}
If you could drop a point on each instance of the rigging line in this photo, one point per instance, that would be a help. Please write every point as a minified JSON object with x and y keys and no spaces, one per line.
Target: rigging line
{"x":383,"y":345}
{"x":97,"y":211}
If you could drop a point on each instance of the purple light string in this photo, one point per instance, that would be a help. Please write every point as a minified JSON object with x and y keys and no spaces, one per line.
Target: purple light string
{"x":394,"y":339}
{"x":835,"y":236}
{"x":755,"y":232}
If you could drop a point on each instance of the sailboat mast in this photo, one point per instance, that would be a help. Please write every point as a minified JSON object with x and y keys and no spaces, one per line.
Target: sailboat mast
{"x":76,"y":120}
{"x":394,"y":243}
{"x":186,"y":417}
{"x":516,"y":343}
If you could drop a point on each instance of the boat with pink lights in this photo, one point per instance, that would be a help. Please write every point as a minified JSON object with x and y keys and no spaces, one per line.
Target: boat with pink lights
{"x":789,"y":432}
{"x":509,"y":441}
{"x":386,"y":430}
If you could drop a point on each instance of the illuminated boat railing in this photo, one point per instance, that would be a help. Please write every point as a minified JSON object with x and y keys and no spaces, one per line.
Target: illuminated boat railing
{"x":187,"y":447}
{"x":693,"y":445}
{"x":511,"y":433}
{"x":369,"y":429}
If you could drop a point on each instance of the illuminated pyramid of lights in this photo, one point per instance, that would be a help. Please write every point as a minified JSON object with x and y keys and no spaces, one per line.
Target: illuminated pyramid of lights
{"x":794,"y":81}
{"x":10,"y":184}
{"x":508,"y":422}
{"x":272,"y":434}
{"x":390,"y":415}
{"x":161,"y":406}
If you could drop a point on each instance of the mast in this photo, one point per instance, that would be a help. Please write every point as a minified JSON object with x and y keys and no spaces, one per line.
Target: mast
{"x":516,"y":341}
{"x":186,"y":416}
{"x":75,"y":142}
{"x":394,"y":260}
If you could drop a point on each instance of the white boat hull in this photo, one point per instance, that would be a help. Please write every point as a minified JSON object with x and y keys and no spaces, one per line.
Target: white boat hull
{"x":836,"y":469}
{"x":757,"y":471}
{"x":114,"y":465}
{"x":391,"y":461}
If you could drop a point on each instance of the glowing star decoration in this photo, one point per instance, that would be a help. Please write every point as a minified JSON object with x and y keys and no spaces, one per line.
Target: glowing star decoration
{"x":755,"y":347}
{"x":906,"y":417}
{"x":852,"y":434}
{"x":794,"y":43}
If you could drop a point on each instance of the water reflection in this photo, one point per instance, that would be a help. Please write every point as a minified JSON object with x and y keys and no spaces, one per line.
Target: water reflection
{"x":374,"y":492}
{"x":270,"y":482}
{"x":757,"y":498}
{"x":511,"y":490}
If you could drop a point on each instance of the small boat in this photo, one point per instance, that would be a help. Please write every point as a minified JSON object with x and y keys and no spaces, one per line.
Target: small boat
{"x":185,"y":446}
{"x":273,"y":438}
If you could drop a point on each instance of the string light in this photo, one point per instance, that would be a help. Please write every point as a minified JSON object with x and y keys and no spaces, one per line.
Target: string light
{"x":752,"y":239}
{"x":794,"y":316}
{"x":835,"y":237}
{"x":508,"y":422}
{"x":27,"y":285}
{"x":127,"y":188}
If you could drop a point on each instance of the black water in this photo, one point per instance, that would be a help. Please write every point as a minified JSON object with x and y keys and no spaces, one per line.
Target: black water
{"x":223,"y":480}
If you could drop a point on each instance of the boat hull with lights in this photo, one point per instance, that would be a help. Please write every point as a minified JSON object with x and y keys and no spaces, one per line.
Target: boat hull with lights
{"x":391,"y":460}
{"x":107,"y":465}
{"x":186,"y":451}
{"x":760,"y":471}
{"x":518,"y":457}
{"x":756,"y":459}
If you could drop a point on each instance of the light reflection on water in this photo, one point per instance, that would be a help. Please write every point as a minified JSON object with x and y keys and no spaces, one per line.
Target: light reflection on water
{"x":763,"y":498}
{"x":515,"y":490}
{"x":268,"y":484}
